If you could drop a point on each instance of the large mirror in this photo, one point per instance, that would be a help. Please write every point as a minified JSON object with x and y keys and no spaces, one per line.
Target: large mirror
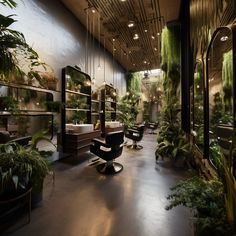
{"x":220,"y":94}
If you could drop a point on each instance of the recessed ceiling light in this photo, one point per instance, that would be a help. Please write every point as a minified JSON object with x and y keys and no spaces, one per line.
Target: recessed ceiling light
{"x":136,"y":37}
{"x":155,"y":49}
{"x":145,"y":62}
{"x":145,"y":30}
{"x":158,"y":33}
{"x":123,"y":0}
{"x":93,"y":11}
{"x":224,"y":38}
{"x":153,"y":37}
{"x":131,"y":24}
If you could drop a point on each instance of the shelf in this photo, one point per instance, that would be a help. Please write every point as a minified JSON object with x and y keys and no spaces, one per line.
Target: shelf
{"x":78,"y":93}
{"x":110,"y":101}
{"x":75,"y":109}
{"x":25,"y":113}
{"x":95,"y":101}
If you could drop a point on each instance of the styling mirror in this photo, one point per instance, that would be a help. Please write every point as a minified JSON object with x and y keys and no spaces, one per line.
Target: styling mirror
{"x":220,"y":90}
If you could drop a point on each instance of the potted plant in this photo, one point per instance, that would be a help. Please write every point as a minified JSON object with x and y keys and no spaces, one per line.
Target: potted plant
{"x":205,"y":199}
{"x":20,"y":168}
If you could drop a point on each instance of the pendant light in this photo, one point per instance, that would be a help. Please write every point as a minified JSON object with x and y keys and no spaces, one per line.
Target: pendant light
{"x":99,"y":42}
{"x":86,"y":43}
{"x":104,"y":61}
{"x":93,"y":77}
{"x":113,"y":48}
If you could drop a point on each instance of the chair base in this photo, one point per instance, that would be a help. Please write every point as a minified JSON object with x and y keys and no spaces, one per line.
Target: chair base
{"x":109,"y":168}
{"x":152,"y":132}
{"x":134,"y":146}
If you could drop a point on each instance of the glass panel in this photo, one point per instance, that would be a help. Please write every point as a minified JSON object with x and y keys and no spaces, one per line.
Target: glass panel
{"x":198,"y":112}
{"x":220,"y":80}
{"x":77,"y":81}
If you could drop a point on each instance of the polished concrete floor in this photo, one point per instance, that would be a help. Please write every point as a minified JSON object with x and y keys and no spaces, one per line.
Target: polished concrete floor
{"x":83,"y":202}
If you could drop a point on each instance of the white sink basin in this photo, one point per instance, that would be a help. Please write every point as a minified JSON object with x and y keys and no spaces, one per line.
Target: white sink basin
{"x":79,"y":128}
{"x":112,"y":124}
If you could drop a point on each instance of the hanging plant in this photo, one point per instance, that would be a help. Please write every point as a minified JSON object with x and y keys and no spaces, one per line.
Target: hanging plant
{"x":227,"y":79}
{"x":134,"y":81}
{"x":170,"y":59}
{"x":16,"y":54}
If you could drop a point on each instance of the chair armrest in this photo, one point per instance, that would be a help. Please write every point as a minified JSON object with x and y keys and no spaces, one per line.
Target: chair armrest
{"x":99,"y":142}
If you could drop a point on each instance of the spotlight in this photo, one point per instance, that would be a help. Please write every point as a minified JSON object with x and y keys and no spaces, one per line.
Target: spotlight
{"x":131,"y":24}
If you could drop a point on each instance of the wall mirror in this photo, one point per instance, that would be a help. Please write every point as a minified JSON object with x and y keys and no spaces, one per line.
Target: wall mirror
{"x":220,"y":85}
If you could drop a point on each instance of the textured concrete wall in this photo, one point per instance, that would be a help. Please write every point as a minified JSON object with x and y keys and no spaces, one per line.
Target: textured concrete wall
{"x":59,"y":39}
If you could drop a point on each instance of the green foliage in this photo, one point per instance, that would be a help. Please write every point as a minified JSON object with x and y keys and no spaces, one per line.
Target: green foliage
{"x":134,"y":82}
{"x":171,"y":141}
{"x":129,"y":108}
{"x":206,"y":200}
{"x":53,"y":106}
{"x":170,"y":59}
{"x":227,"y":80}
{"x":20,"y":167}
{"x":15,"y":53}
{"x":9,"y":103}
{"x":217,"y":110}
{"x":9,"y":3}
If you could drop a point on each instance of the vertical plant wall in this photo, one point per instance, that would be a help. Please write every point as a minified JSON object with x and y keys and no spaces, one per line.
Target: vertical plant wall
{"x":134,"y":81}
{"x":170,"y":59}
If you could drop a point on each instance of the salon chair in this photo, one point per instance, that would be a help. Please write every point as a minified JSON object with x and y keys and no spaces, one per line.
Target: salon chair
{"x":135,"y":133}
{"x":152,"y":126}
{"x":108,"y":150}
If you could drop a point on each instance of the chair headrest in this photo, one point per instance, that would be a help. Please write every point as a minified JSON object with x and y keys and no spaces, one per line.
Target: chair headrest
{"x":115,"y":138}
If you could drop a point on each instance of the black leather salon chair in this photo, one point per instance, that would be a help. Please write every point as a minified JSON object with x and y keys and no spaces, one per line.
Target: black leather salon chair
{"x":108,"y":150}
{"x":152,"y":126}
{"x":136,"y":134}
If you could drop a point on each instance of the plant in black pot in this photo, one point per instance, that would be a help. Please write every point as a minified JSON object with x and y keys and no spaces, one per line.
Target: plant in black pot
{"x":21,"y":168}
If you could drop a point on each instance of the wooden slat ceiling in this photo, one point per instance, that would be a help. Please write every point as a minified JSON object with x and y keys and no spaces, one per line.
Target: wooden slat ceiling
{"x":109,"y":25}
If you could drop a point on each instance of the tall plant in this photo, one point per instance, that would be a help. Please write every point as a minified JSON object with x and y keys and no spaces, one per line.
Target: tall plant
{"x":134,"y":81}
{"x":227,"y":80}
{"x":171,"y":141}
{"x":129,"y":108}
